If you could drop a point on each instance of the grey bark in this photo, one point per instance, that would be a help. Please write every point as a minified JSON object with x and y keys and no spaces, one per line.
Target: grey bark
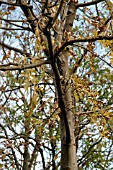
{"x":68,"y":148}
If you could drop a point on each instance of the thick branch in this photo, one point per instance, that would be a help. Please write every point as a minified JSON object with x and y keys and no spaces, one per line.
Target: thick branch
{"x":15,"y":4}
{"x":15,"y":49}
{"x":56,"y":71}
{"x":23,"y":67}
{"x":58,"y":12}
{"x":7,"y":20}
{"x":87,"y":39}
{"x":29,"y":15}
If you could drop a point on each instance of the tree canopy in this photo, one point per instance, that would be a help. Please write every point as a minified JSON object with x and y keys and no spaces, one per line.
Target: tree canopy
{"x":56,"y":91}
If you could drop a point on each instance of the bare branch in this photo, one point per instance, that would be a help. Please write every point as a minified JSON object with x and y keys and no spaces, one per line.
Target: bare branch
{"x":23,"y":67}
{"x":12,"y":20}
{"x":89,"y":150}
{"x":87,"y":39}
{"x":15,"y":49}
{"x":28,"y":29}
{"x":15,"y":4}
{"x":100,"y":57}
{"x":31,"y":17}
{"x":58,"y":12}
{"x":13,"y":152}
{"x":89,"y":3}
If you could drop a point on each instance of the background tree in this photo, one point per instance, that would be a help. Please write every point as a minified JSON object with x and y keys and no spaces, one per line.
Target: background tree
{"x":56,"y":84}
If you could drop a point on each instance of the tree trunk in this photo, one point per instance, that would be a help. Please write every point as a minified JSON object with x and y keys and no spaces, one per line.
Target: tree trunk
{"x":68,"y":148}
{"x":59,"y":63}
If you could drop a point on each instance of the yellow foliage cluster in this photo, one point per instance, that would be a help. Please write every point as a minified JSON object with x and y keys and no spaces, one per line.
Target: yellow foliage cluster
{"x":96,"y":114}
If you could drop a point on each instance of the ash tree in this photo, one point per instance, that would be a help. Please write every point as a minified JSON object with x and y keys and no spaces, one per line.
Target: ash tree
{"x":56,"y":88}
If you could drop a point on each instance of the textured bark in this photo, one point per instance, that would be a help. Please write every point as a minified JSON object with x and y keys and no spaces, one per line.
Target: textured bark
{"x":60,"y":68}
{"x":68,"y":148}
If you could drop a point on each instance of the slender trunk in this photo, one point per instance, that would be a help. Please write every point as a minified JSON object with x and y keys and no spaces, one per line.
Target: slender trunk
{"x":26,"y":155}
{"x":59,"y":65}
{"x":68,"y":147}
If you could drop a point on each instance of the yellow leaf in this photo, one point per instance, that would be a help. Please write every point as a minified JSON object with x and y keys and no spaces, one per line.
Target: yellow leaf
{"x":3,"y":156}
{"x":17,"y":36}
{"x":76,"y":96}
{"x":38,"y":40}
{"x":111,"y":58}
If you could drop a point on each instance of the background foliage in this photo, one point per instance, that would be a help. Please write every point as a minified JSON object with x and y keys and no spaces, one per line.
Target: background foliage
{"x":29,"y":112}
